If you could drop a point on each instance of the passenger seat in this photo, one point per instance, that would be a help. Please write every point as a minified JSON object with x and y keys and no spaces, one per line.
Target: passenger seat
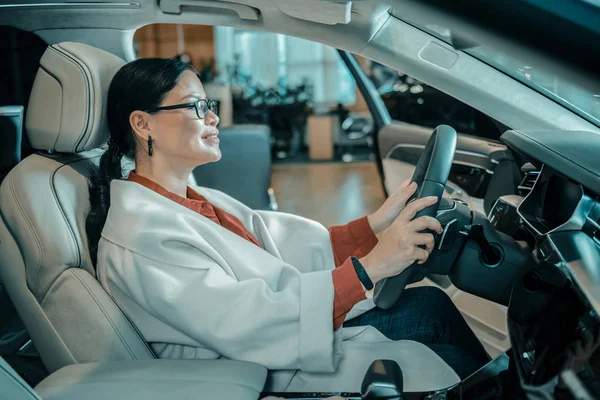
{"x":45,"y":264}
{"x":244,"y":171}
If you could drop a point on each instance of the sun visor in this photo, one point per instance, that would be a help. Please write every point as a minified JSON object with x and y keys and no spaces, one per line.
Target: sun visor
{"x":243,"y":11}
{"x":320,"y":11}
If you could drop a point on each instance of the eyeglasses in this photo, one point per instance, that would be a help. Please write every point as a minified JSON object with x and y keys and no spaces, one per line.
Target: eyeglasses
{"x":201,"y":106}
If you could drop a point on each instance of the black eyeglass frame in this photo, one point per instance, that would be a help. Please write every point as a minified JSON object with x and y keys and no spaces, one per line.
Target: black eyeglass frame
{"x":211,"y":105}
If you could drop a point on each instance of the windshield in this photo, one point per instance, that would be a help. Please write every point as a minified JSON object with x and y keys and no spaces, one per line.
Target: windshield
{"x":570,"y":95}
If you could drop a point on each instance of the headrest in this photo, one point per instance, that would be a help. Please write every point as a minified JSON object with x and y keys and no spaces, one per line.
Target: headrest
{"x":67,"y":107}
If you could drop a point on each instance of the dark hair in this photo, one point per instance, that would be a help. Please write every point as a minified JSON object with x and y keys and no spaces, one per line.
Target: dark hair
{"x":139,"y":85}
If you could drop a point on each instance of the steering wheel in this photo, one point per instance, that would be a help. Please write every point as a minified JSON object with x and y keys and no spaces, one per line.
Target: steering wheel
{"x":431,"y":175}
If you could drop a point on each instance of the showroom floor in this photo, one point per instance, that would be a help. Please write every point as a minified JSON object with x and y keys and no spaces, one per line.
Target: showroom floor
{"x":349,"y":154}
{"x":330,"y":193}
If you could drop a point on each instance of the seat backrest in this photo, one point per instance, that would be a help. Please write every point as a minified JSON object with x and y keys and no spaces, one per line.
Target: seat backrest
{"x":244,"y":172}
{"x":12,"y":386}
{"x":44,"y":260}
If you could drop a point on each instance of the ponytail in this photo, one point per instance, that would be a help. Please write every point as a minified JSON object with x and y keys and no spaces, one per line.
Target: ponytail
{"x":99,"y":189}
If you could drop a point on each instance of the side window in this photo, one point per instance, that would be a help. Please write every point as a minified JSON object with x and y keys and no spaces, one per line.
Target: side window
{"x":261,"y":60}
{"x":20,"y":54}
{"x":411,"y":101}
{"x":301,"y":89}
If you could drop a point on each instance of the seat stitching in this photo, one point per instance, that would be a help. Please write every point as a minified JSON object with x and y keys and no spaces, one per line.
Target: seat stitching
{"x":62,"y":211}
{"x":135,"y":328}
{"x":13,"y":236}
{"x":117,"y":331}
{"x":60,"y":123}
{"x":65,"y":163}
{"x":568,"y":158}
{"x":73,"y":60}
{"x":37,"y":240}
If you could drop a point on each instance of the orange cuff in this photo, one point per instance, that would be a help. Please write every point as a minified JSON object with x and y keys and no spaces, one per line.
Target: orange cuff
{"x":347,"y":292}
{"x":363,"y":235}
{"x":354,"y":239}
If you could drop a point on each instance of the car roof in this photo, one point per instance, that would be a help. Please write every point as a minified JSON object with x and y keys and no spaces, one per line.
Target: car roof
{"x":369,"y":27}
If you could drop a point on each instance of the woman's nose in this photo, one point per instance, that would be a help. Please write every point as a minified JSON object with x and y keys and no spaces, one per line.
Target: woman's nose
{"x":212,"y":119}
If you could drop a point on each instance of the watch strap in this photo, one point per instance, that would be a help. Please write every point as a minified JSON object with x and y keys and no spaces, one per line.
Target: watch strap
{"x":363,"y":277}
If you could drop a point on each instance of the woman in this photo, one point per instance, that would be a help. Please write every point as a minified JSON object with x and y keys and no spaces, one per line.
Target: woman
{"x":203,"y":276}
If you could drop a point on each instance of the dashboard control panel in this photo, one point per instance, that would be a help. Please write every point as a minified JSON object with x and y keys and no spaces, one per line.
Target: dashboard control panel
{"x":504,"y":216}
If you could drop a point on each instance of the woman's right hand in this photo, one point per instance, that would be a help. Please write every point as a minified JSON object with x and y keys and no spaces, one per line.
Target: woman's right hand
{"x":398,"y":247}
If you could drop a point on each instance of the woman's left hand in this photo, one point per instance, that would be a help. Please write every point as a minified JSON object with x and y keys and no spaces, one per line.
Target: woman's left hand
{"x":381,"y":219}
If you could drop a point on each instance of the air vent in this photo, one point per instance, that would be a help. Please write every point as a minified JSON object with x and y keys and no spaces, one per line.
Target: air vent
{"x":527,"y":183}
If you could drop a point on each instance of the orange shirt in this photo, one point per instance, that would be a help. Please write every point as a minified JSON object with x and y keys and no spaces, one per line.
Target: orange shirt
{"x":354,"y":239}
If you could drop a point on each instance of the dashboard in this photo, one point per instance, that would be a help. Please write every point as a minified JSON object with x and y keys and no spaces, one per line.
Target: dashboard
{"x":555,"y":305}
{"x":564,"y":201}
{"x":552,"y":202}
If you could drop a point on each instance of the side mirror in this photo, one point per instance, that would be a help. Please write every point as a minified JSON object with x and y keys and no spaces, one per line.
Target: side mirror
{"x":383,"y":381}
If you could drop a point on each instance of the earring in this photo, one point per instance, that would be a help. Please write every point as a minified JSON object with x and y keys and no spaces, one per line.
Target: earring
{"x":150,"y":145}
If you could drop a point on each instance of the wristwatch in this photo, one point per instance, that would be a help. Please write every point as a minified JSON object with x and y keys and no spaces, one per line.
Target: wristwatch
{"x":362,"y":274}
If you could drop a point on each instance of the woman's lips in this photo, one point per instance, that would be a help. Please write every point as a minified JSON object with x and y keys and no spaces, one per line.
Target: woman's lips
{"x":212,"y":138}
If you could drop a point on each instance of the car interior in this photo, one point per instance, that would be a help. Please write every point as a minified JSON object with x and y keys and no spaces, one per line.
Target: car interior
{"x":519,"y":253}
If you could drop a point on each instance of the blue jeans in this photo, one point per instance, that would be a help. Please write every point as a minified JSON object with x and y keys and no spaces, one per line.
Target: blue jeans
{"x":427,"y":315}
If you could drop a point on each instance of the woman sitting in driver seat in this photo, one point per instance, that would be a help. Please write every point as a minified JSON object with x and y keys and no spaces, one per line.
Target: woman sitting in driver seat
{"x":203,"y":276}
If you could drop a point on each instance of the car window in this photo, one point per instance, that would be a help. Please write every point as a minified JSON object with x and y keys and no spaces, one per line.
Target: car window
{"x":571,"y":95}
{"x":20,"y":54}
{"x":414,"y":102}
{"x":290,"y":84}
{"x":253,"y":60}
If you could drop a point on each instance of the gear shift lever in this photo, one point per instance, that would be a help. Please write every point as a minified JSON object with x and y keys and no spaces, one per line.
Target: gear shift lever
{"x":383,"y":381}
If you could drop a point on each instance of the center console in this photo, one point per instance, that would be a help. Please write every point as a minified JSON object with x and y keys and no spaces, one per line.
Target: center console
{"x":383,"y":381}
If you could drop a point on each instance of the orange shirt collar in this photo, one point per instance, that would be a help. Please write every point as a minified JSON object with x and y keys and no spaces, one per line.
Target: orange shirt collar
{"x":150,"y":184}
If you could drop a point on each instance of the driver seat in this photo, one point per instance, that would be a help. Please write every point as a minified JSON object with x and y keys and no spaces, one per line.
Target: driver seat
{"x":44,"y":259}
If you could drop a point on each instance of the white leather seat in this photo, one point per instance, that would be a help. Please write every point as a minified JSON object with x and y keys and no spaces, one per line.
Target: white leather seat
{"x":147,"y":380}
{"x":46,"y":266}
{"x":44,"y":261}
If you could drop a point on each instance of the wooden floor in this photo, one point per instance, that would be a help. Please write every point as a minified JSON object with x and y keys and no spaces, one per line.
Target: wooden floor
{"x":331,"y":193}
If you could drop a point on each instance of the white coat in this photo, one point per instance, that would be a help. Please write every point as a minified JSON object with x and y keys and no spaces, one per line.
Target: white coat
{"x":196,"y":290}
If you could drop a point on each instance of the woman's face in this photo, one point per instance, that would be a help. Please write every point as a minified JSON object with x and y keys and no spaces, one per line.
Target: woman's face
{"x":179,"y":135}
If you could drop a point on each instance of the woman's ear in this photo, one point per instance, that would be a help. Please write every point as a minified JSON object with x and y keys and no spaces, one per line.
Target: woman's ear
{"x":140,"y":124}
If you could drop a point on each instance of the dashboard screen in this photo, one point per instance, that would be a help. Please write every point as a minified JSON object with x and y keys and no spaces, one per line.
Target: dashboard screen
{"x":551,"y":203}
{"x":560,"y":201}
